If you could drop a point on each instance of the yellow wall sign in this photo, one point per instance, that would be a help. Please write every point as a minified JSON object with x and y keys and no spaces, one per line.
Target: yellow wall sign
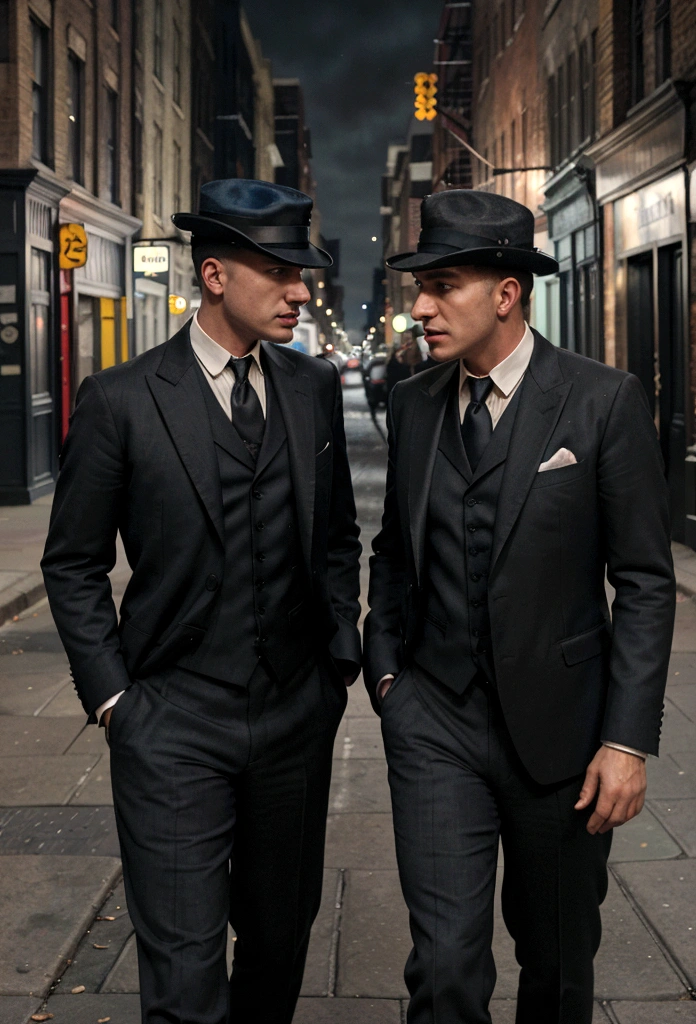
{"x":177,"y":304}
{"x":73,"y":246}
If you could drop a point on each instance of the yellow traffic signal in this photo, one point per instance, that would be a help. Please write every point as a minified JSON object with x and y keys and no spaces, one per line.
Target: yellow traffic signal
{"x":426,"y":92}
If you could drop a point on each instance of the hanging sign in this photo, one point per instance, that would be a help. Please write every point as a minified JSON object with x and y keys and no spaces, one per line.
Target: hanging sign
{"x":73,"y":246}
{"x":150,"y":259}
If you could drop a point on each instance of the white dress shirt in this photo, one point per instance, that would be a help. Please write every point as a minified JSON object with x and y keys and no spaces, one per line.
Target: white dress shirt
{"x":507,"y":377}
{"x":213,"y":360}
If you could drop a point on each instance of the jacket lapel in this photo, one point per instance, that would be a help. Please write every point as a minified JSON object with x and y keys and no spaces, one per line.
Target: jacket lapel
{"x":426,"y":427}
{"x":295,"y":400}
{"x":542,"y":397}
{"x":274,"y":434}
{"x":451,"y":444}
{"x":177,"y":393}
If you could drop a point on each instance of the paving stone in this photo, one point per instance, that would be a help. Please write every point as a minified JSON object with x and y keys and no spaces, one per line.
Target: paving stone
{"x":680,"y":818}
{"x":360,"y":841}
{"x":684,"y":638}
{"x":59,"y":898}
{"x":655,"y":1013}
{"x":123,"y":977}
{"x":507,"y":968}
{"x":678,"y":731}
{"x":17,"y":1009}
{"x":316,"y":976}
{"x":31,"y":641}
{"x":30,"y":735}
{"x":87,"y":1009}
{"x":684,"y":697}
{"x":33,"y":663}
{"x":97,"y":787}
{"x":666,"y":892}
{"x":643,"y":838}
{"x":26,"y":693}
{"x":42,"y":781}
{"x":629,"y":965}
{"x":359,"y":786}
{"x":347,"y":1011}
{"x":375,"y":939}
{"x":69,"y":831}
{"x":91,"y":967}
{"x":683,"y":663}
{"x":90,"y":739}
{"x":65,"y":703}
{"x":361,"y":738}
{"x":358,"y":701}
{"x":669,"y":779}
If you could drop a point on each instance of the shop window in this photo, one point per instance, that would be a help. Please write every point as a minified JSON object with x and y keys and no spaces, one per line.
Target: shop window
{"x":157,"y":47}
{"x":112,"y":146}
{"x":637,"y":51}
{"x":663,"y":41}
{"x":39,"y":332}
{"x":76,"y":101}
{"x":39,"y":90}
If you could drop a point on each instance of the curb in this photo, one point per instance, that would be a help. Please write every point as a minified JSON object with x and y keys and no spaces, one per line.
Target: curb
{"x":21,"y":595}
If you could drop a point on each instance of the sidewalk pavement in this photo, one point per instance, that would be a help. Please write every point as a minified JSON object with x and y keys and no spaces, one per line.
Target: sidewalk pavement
{"x":66,"y":940}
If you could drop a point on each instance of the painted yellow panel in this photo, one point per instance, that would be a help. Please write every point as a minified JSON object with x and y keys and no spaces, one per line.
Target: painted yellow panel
{"x":107,"y":314}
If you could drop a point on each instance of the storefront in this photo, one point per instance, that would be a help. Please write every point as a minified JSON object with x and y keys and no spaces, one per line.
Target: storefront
{"x":642,"y":185}
{"x":162,"y":290}
{"x":573,"y":296}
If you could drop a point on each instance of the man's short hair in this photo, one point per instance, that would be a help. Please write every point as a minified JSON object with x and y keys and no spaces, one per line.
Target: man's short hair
{"x":209,"y":249}
{"x":524,"y":278}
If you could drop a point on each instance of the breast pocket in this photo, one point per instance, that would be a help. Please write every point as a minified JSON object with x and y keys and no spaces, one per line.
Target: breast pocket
{"x":563,"y":475}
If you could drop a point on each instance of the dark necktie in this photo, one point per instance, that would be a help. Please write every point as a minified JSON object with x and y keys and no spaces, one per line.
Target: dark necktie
{"x":247,"y":414}
{"x":477,"y":425}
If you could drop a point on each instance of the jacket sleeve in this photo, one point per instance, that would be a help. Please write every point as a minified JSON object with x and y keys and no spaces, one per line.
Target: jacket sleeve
{"x":387,"y":593}
{"x":81,"y":548}
{"x":635,"y":512}
{"x":344,"y":550}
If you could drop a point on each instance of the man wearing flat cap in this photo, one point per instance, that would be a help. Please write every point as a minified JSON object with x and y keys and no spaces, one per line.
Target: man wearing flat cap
{"x":514,"y":706}
{"x":220,"y":458}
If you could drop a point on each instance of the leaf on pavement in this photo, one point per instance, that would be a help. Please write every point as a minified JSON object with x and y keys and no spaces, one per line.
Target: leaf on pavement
{"x":78,"y":988}
{"x":95,"y":945}
{"x":42,"y":1016}
{"x":106,"y":919}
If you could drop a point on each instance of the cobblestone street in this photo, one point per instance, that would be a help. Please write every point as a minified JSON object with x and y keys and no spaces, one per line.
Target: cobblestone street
{"x":65,"y":925}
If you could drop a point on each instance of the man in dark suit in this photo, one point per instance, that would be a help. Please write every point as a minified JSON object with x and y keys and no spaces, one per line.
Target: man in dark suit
{"x":513,"y":706}
{"x":221,"y":461}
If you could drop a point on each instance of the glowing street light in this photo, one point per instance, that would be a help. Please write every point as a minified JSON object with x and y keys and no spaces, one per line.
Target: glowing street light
{"x":374,"y":238}
{"x":320,"y":303}
{"x":329,"y":312}
{"x":364,"y":305}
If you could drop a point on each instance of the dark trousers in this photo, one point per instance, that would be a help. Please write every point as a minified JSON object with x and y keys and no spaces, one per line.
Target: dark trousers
{"x":458,"y":786}
{"x":221,"y":796}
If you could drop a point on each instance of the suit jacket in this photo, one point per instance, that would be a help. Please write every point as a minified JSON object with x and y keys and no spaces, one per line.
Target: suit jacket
{"x":568,"y":675}
{"x":140,"y":459}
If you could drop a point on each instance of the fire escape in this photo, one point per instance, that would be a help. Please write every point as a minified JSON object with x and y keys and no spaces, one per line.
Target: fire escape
{"x":453,"y":63}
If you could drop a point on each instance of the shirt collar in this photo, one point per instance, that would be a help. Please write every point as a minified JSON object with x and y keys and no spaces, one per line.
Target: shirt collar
{"x":507,"y":375}
{"x":213,"y":356}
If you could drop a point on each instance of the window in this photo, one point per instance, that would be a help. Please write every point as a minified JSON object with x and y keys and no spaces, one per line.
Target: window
{"x":496,"y":34}
{"x":4,"y":31}
{"x":157,"y":169}
{"x":663,"y":42}
{"x":562,"y":100}
{"x":112,"y":154}
{"x":176,"y":65}
{"x":157,"y":54}
{"x":115,"y":14}
{"x":39,"y":89}
{"x":586,"y":99}
{"x":637,"y":54}
{"x":39,"y":335}
{"x":76,"y":102}
{"x":177,"y":175}
{"x":137,"y":156}
{"x":553,"y":121}
{"x":573,"y":118}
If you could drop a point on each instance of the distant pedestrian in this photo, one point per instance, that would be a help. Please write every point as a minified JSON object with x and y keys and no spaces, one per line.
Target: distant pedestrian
{"x":513,"y":705}
{"x":221,"y":460}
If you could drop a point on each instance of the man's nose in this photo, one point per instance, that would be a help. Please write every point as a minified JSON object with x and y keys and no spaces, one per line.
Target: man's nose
{"x":424,"y":308}
{"x":298,"y":293}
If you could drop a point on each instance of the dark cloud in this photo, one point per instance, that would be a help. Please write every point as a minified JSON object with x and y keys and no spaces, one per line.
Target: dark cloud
{"x":356,"y":60}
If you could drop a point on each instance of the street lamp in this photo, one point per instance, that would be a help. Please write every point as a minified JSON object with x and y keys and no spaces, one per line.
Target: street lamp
{"x":364,"y":305}
{"x":329,"y":312}
{"x":320,"y":303}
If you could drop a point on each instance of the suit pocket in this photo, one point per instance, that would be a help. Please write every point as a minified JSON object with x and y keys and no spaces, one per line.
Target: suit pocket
{"x":324,"y":457}
{"x":562,"y":475}
{"x":584,"y":646}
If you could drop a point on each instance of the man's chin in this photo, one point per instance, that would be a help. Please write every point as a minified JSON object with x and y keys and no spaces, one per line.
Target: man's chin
{"x":441,"y":353}
{"x":280,"y":335}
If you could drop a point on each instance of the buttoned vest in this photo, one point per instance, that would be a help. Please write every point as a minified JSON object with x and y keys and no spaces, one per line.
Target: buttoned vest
{"x":454,"y":642}
{"x":263,"y":607}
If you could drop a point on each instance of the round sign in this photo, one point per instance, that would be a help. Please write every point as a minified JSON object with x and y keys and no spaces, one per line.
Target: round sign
{"x":9,"y":334}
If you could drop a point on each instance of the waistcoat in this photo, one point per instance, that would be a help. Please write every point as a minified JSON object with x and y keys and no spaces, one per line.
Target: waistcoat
{"x":263,"y":608}
{"x":455,"y":632}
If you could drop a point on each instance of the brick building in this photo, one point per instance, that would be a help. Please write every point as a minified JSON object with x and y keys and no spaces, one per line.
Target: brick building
{"x":65,"y":109}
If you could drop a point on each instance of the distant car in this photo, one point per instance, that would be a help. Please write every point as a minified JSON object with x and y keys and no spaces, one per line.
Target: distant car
{"x":352,"y":363}
{"x":375,"y":380}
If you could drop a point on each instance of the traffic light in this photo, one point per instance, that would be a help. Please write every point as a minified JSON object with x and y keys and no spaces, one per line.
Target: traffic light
{"x":426,"y":92}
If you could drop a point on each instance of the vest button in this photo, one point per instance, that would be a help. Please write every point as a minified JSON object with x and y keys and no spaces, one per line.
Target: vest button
{"x":261,"y":557}
{"x":211,"y":583}
{"x":471,"y":529}
{"x":471,"y":502}
{"x":474,"y":551}
{"x":258,"y":495}
{"x":260,"y":526}
{"x":475,"y":577}
{"x":262,"y":611}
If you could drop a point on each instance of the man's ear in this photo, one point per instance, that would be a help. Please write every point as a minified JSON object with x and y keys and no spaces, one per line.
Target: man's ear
{"x":212,"y":273}
{"x":509,"y":295}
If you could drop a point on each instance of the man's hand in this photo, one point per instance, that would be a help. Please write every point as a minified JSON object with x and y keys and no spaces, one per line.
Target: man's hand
{"x":621,"y":780}
{"x":105,"y":719}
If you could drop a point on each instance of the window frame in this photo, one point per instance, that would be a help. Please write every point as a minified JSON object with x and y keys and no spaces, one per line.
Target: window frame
{"x":40,"y":91}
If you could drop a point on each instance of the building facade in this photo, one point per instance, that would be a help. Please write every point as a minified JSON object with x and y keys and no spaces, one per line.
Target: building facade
{"x":65,"y":102}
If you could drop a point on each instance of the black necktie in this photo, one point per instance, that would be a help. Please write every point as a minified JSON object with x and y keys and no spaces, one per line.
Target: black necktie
{"x":477,"y":425}
{"x":247,"y":414}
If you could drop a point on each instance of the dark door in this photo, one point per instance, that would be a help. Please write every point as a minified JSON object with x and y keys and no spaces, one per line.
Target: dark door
{"x":640,"y":325}
{"x":671,"y":398}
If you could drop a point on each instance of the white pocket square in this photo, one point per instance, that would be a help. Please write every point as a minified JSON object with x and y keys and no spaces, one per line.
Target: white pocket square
{"x":563,"y":457}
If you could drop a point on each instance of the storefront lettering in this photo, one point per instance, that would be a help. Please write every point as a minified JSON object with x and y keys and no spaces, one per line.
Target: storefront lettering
{"x":664,"y":207}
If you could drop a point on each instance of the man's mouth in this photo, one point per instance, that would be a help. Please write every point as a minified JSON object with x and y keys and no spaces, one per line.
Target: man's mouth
{"x":433,"y":334}
{"x":289,"y":319}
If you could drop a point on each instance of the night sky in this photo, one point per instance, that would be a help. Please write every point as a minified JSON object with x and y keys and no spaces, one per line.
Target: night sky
{"x":356,"y":60}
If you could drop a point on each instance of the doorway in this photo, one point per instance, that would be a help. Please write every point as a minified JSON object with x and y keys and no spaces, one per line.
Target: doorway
{"x":655,"y":329}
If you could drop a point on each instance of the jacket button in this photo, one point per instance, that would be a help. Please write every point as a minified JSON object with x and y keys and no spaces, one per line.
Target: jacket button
{"x":262,"y":611}
{"x":211,"y":583}
{"x":471,"y":502}
{"x":473,"y":551}
{"x":471,"y":529}
{"x":258,"y":495}
{"x":475,"y":577}
{"x":260,"y":526}
{"x":261,"y":557}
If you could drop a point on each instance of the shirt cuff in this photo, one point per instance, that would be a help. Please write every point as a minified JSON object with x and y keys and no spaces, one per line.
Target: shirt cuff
{"x":388,"y":677}
{"x":626,"y":750}
{"x":107,"y":704}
